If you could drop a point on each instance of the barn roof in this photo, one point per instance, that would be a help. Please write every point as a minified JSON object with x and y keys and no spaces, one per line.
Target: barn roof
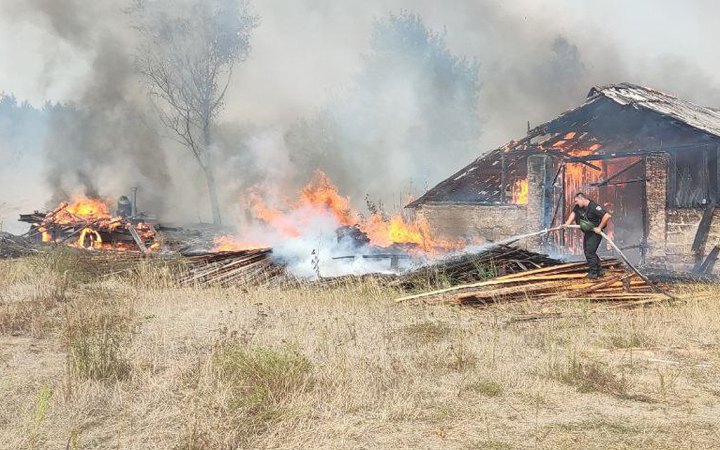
{"x":465,"y":186}
{"x":699,"y":117}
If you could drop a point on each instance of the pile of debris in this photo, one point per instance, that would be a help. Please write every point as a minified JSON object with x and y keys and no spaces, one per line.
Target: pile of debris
{"x":552,"y":283}
{"x":254,"y":267}
{"x":12,"y":246}
{"x":87,"y":223}
{"x":496,"y":261}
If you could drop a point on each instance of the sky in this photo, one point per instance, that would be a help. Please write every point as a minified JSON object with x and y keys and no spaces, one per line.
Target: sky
{"x":307,"y":50}
{"x":537,"y":58}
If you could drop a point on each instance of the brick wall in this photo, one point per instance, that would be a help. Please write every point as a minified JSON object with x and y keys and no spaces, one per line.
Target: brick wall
{"x":478,"y":223}
{"x":656,"y":167}
{"x":474,"y":223}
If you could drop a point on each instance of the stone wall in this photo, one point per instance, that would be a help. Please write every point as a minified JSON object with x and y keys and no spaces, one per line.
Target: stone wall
{"x":671,"y":232}
{"x":682,"y":224}
{"x":474,"y":223}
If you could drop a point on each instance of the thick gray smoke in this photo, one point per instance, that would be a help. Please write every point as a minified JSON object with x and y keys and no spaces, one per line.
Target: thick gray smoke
{"x":106,"y":142}
{"x":308,"y":71}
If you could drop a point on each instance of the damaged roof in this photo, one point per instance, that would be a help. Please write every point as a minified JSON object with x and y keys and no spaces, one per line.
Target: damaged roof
{"x":699,"y":117}
{"x":475,"y":183}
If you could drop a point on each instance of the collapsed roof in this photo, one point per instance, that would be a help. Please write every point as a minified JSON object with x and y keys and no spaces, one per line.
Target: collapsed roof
{"x":614,"y":119}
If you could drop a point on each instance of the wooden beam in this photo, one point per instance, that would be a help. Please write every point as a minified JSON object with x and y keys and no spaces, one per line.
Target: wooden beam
{"x":703,"y":228}
{"x":708,"y":265}
{"x":136,"y":238}
{"x":612,"y":177}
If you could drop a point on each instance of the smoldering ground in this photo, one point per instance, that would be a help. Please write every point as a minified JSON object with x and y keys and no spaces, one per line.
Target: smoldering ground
{"x":307,"y":61}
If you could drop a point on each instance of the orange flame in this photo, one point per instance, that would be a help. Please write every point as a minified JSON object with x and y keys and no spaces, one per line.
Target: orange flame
{"x":228,"y":243}
{"x":94,"y":238}
{"x":385,"y":233}
{"x":520,"y":192}
{"x":84,"y":208}
{"x":93,"y":215}
{"x":321,"y":197}
{"x":322,"y":194}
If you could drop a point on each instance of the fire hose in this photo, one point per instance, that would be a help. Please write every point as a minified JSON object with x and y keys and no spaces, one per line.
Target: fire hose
{"x":622,"y":256}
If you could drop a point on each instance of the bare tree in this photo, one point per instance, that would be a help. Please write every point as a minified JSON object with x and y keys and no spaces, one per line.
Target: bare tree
{"x":186,"y":57}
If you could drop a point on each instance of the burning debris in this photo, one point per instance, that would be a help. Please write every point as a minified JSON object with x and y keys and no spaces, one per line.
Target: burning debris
{"x":87,"y":223}
{"x":320,"y":207}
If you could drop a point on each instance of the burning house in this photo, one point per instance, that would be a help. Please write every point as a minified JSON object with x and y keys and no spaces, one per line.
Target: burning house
{"x":650,"y":158}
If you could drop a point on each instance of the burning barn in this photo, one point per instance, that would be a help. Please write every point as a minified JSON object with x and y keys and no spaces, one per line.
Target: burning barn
{"x":649,"y":157}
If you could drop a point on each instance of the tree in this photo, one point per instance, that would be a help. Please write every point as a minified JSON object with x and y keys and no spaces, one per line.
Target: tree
{"x":411,"y":101}
{"x":188,"y":51}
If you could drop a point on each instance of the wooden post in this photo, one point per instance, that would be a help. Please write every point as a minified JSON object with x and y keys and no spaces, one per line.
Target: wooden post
{"x":503,"y":179}
{"x":702,"y":233}
{"x":564,"y":204}
{"x":643,"y":246}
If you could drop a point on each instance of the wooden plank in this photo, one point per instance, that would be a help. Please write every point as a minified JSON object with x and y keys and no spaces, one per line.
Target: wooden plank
{"x":597,"y":286}
{"x":136,"y":238}
{"x":708,"y":265}
{"x":703,"y":228}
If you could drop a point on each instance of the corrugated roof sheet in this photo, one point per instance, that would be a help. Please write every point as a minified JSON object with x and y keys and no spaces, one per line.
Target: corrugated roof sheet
{"x":696,"y":116}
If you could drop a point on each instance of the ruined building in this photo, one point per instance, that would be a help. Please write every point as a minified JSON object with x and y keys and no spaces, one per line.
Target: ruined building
{"x":649,"y":157}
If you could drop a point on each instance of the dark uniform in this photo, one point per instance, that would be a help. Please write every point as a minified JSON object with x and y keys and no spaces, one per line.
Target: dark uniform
{"x":591,"y":240}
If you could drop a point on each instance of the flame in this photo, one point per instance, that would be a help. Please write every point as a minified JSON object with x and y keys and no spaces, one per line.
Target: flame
{"x":227,"y":243}
{"x":94,"y":236}
{"x":45,"y":235}
{"x":321,"y":194}
{"x":91,"y":217}
{"x":83,"y":208}
{"x":520,"y":192}
{"x":385,"y":233}
{"x":321,"y":198}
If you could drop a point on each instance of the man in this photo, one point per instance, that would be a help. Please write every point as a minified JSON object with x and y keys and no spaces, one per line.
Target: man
{"x":592,"y":219}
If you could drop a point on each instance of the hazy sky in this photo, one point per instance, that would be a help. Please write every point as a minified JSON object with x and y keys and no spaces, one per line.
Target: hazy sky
{"x":306,"y":50}
{"x":537,"y":58}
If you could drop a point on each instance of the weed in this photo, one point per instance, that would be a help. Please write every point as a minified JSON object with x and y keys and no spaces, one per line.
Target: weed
{"x":488,"y":388}
{"x":629,"y":337}
{"x":427,"y":332}
{"x":593,"y":376}
{"x":42,"y":405}
{"x":95,"y":334}
{"x":461,"y":357}
{"x":261,"y":379}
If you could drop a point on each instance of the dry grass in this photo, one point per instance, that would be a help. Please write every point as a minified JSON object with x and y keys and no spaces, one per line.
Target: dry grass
{"x":132,"y":361}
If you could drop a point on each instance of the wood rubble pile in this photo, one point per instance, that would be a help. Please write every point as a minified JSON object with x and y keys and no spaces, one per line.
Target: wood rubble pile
{"x":469,"y":267}
{"x":101,"y":232}
{"x":244,"y":267}
{"x":12,"y":246}
{"x":553,"y":283}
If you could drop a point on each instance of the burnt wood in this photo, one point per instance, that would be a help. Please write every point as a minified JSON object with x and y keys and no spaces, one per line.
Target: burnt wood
{"x":708,"y":265}
{"x":703,"y":228}
{"x":616,"y":175}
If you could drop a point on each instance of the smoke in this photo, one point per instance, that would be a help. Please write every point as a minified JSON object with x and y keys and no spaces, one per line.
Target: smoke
{"x":308,"y":59}
{"x":102,"y":141}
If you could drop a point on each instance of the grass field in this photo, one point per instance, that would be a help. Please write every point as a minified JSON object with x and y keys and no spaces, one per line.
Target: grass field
{"x":135,"y":362}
